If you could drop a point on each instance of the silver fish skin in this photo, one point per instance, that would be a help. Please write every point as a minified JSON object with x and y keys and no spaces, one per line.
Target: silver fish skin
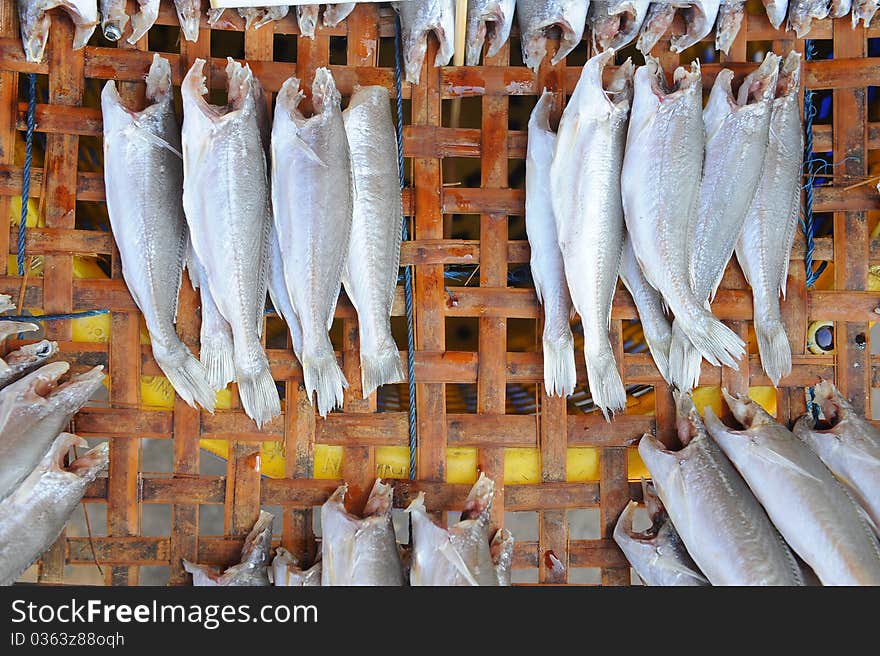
{"x":373,"y":265}
{"x":281,"y":298}
{"x":662,"y":169}
{"x":253,"y":567}
{"x":809,"y":506}
{"x":776,"y":10}
{"x":657,"y":22}
{"x":724,"y":528}
{"x":649,"y":304}
{"x":802,"y":12}
{"x":336,"y":13}
{"x":764,"y":247}
{"x":460,"y":554}
{"x":33,"y":516}
{"x":417,"y":19}
{"x":657,"y":555}
{"x":548,"y":269}
{"x":286,"y":572}
{"x":25,"y":359}
{"x":360,"y":551}
{"x":33,"y":411}
{"x":307,"y":19}
{"x":34,"y":22}
{"x":863,"y":10}
{"x":189,"y":15}
{"x":737,"y":128}
{"x":487,"y":20}
{"x":585,"y":190}
{"x":839,"y":8}
{"x":850,"y":447}
{"x":311,"y":163}
{"x":536,"y":16}
{"x":501,"y":552}
{"x":615,"y":24}
{"x":729,"y":22}
{"x":142,"y":165}
{"x":699,"y":19}
{"x":226,"y":202}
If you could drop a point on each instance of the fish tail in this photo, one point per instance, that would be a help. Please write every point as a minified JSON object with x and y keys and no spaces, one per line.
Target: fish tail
{"x":559,"y":369}
{"x":189,"y":378}
{"x":259,"y":396}
{"x":715,"y":341}
{"x":774,"y":349}
{"x":216,"y":356}
{"x":321,"y":374}
{"x":684,"y":361}
{"x":606,"y":386}
{"x":381,"y":368}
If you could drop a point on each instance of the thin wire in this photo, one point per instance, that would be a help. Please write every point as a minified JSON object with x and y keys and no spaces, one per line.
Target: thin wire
{"x":807,"y":225}
{"x":26,"y":174}
{"x":408,"y":292}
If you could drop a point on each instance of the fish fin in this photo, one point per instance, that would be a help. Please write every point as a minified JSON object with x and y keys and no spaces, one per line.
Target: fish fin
{"x":381,"y":368}
{"x":321,"y":374}
{"x":299,"y":143}
{"x":715,"y":341}
{"x":774,"y":348}
{"x":451,"y":554}
{"x":142,"y":21}
{"x":154,"y":139}
{"x":684,"y":361}
{"x":259,"y":396}
{"x":560,"y":375}
{"x":672,"y":564}
{"x":189,"y":379}
{"x":216,"y":356}
{"x":606,"y":387}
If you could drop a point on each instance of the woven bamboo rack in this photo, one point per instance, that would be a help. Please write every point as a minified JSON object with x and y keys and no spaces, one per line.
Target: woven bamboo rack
{"x":360,"y":428}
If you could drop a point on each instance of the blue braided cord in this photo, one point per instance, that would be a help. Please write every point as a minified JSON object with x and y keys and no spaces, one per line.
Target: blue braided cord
{"x":53,"y":317}
{"x":408,"y":291}
{"x":807,"y":224}
{"x":26,"y":174}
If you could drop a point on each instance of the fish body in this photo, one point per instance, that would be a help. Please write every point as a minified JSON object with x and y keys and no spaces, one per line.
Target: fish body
{"x":281,"y":298}
{"x":487,"y":20}
{"x":226,"y":202}
{"x":142,"y":169}
{"x":335,"y":14}
{"x":736,"y":143}
{"x":657,"y":22}
{"x":764,"y":247}
{"x":660,"y":184}
{"x":286,"y":572}
{"x":657,"y":555}
{"x":312,"y":203}
{"x":373,"y":265}
{"x":537,"y":16}
{"x":839,"y":8}
{"x":25,"y":359}
{"x":252,"y":568}
{"x":585,"y":190}
{"x":724,"y":528}
{"x":649,"y":304}
{"x":728,"y":24}
{"x":863,"y":10}
{"x":699,"y":19}
{"x":615,"y":24}
{"x":307,"y":19}
{"x":850,"y":448}
{"x":808,"y":505}
{"x":548,"y":269}
{"x":802,"y":12}
{"x":417,"y":19}
{"x":189,"y":15}
{"x":776,"y":10}
{"x":460,"y":554}
{"x":33,"y":516}
{"x":34,"y":22}
{"x":360,"y":551}
{"x":33,"y":411}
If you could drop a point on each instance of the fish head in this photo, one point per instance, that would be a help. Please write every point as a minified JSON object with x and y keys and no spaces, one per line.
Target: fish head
{"x":325,"y":95}
{"x":540,"y":117}
{"x":8,"y":328}
{"x":71,"y":395}
{"x":380,"y":501}
{"x":287,"y":101}
{"x":698,"y":20}
{"x":92,"y":462}
{"x":605,"y":26}
{"x":193,"y":85}
{"x":188,"y":14}
{"x":687,"y":419}
{"x":32,"y":353}
{"x":777,"y":10}
{"x":34,"y":24}
{"x":479,"y":501}
{"x":251,"y":15}
{"x":258,"y":542}
{"x":746,"y":411}
{"x":623,"y":528}
{"x":239,"y":81}
{"x":158,"y":80}
{"x":789,"y":79}
{"x":760,"y":84}
{"x":653,"y":504}
{"x":660,"y":461}
{"x":113,"y":20}
{"x":32,"y":390}
{"x":307,"y":19}
{"x":721,"y":103}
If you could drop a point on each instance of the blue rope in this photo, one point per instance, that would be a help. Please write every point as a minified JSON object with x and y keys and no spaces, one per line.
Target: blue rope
{"x":807,"y":225}
{"x":26,"y":174}
{"x":408,"y":293}
{"x":53,"y":317}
